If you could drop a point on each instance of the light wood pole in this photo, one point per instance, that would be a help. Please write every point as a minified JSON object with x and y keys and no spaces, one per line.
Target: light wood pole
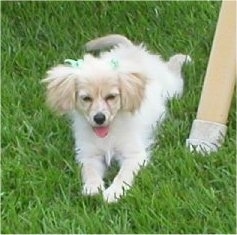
{"x":209,"y":128}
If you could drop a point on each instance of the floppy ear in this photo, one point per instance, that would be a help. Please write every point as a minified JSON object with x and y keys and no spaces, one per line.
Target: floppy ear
{"x":132,"y":88}
{"x":61,"y":88}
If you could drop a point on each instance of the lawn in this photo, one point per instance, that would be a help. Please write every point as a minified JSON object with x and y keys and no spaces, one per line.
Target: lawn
{"x":178,"y":192}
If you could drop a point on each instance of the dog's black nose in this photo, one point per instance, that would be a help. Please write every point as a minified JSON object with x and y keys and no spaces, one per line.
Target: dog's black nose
{"x":99,"y":118}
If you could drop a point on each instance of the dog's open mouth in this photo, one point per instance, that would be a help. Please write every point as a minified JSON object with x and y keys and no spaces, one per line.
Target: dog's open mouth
{"x":101,"y":131}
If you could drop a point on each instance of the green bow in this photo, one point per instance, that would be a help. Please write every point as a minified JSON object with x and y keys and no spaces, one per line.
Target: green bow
{"x":78,"y":63}
{"x":74,"y":63}
{"x":114,"y":63}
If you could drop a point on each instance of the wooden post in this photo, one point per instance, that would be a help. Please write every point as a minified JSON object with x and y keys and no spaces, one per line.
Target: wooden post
{"x":209,"y":128}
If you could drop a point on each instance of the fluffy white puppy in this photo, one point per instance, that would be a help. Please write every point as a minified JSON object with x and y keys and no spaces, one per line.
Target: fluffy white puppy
{"x":115,"y":101}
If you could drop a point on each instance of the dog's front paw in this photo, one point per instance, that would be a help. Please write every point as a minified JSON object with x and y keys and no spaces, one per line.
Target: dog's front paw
{"x":114,"y":193}
{"x":93,"y":188}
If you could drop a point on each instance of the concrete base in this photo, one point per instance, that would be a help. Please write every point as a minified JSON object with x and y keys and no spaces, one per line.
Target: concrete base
{"x":206,"y":137}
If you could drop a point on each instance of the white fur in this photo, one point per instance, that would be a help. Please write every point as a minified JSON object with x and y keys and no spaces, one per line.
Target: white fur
{"x":130,"y":134}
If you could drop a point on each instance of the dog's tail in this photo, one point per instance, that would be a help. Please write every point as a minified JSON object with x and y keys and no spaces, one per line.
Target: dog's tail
{"x":107,"y":41}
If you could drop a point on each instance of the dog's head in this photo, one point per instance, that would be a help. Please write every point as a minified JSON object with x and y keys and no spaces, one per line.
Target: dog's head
{"x":96,"y":90}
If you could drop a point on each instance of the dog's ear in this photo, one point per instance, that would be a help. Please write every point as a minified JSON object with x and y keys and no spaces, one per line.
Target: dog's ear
{"x":132,"y":88}
{"x":61,"y":88}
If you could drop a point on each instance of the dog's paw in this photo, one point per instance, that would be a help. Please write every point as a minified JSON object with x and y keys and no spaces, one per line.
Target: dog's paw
{"x":176,"y":62}
{"x":114,"y":193}
{"x":93,"y":188}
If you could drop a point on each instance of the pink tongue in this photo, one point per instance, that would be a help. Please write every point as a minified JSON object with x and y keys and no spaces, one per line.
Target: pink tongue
{"x":101,"y":131}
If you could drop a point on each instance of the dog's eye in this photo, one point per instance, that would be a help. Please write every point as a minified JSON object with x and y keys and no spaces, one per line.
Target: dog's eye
{"x":110,"y":97}
{"x":86,"y":98}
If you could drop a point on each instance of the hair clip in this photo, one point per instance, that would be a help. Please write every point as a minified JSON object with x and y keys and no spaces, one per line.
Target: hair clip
{"x":114,"y":63}
{"x":78,"y":63}
{"x":74,"y":63}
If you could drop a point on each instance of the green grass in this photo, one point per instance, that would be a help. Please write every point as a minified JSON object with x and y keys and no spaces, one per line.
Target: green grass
{"x":178,"y":192}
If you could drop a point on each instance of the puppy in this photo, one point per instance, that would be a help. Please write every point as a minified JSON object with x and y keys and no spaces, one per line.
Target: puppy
{"x":115,"y":101}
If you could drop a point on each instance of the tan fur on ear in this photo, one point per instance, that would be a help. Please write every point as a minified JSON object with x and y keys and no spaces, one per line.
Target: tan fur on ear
{"x":132,"y":91}
{"x":61,"y":88}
